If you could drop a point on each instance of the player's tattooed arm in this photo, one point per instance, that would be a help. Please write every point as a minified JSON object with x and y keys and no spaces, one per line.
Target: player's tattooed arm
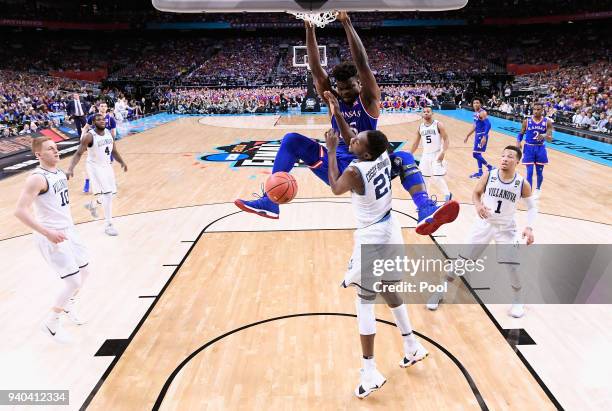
{"x":319,"y":75}
{"x":370,"y":90}
{"x":350,"y":179}
{"x":483,"y":211}
{"x":86,"y":141}
{"x":334,"y":108}
{"x":549,"y":130}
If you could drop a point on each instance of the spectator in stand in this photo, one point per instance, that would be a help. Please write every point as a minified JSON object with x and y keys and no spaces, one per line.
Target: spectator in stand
{"x":588,"y":121}
{"x":578,"y":117}
{"x":601,"y":124}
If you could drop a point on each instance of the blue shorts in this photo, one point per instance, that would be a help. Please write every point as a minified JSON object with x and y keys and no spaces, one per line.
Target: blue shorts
{"x":534,"y":154}
{"x":320,"y":168}
{"x":345,"y":158}
{"x":477,"y":138}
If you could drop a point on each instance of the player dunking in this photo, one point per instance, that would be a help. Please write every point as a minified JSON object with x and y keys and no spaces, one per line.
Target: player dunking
{"x":358,"y":110}
{"x":496,"y":196}
{"x":54,"y":234}
{"x":99,"y":144}
{"x":376,"y":225}
{"x":432,"y":135}
{"x":536,"y":130}
{"x":481,"y":128}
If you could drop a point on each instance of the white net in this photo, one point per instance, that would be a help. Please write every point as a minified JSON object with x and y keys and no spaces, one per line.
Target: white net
{"x":317,"y":19}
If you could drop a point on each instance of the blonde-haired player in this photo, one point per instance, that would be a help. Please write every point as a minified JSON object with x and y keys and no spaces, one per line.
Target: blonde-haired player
{"x":47,"y":190}
{"x":434,"y":139}
{"x":99,"y":144}
{"x":496,"y":196}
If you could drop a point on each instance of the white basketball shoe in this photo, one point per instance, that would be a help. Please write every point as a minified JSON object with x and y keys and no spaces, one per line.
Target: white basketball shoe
{"x":52,"y":328}
{"x":517,"y":310}
{"x":414,"y":355}
{"x":369,"y":382}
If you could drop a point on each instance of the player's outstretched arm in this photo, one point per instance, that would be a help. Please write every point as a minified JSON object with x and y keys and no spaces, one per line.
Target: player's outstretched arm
{"x":85,"y":142}
{"x":532,"y":212}
{"x":35,"y":185}
{"x":445,"y":141}
{"x":465,"y":140}
{"x":319,"y":75}
{"x":334,"y":108}
{"x":519,"y":137}
{"x":350,"y":179}
{"x":483,"y":211}
{"x":370,"y":89}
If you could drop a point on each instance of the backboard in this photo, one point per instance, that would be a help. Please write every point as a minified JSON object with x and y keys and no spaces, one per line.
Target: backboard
{"x":300,"y":56}
{"x":229,"y":6}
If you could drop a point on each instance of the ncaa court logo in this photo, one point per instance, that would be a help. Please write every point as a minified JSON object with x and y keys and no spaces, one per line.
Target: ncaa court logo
{"x":254,"y":153}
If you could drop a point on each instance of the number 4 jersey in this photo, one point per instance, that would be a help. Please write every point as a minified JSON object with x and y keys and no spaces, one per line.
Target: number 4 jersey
{"x":52,"y":206}
{"x":502,"y":197}
{"x":99,"y":167}
{"x":99,"y":153}
{"x":375,"y":203}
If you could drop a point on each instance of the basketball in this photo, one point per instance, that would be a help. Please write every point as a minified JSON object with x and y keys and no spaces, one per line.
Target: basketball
{"x":281,"y":187}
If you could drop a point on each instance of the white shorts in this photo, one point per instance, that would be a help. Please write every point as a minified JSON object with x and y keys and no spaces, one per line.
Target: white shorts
{"x":102,"y":178}
{"x":385,"y":232}
{"x":505,"y":236}
{"x":430,"y":166}
{"x":67,"y":257}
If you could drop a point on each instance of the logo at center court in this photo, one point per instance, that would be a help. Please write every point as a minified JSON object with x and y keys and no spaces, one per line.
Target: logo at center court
{"x":255,"y":153}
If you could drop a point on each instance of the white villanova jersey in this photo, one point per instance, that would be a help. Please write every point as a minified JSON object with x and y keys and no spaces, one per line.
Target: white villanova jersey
{"x":502,"y":197}
{"x":101,"y":148}
{"x":375,"y":203}
{"x":52,"y":208}
{"x":430,"y":137}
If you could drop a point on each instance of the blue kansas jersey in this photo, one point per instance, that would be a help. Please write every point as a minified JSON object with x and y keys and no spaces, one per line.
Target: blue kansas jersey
{"x":534,"y":151}
{"x":357,"y":118}
{"x":533,"y":129}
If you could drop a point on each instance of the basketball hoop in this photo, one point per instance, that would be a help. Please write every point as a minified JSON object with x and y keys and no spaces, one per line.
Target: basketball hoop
{"x":317,"y":19}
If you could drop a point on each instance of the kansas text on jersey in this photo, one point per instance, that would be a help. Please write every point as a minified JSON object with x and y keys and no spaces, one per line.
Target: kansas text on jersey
{"x":357,"y":118}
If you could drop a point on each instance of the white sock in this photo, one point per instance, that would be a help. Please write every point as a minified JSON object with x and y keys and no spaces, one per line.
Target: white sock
{"x":368,"y":364}
{"x":107,"y":204}
{"x":441,"y":182}
{"x":403,"y":323}
{"x":70,"y":304}
{"x":516,"y":295}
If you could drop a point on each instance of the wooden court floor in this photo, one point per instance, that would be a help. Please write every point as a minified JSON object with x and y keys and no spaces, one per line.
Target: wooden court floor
{"x":206,"y":307}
